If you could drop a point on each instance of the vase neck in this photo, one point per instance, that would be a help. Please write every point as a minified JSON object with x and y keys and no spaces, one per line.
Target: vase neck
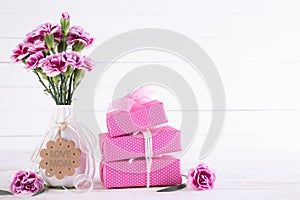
{"x":63,"y":112}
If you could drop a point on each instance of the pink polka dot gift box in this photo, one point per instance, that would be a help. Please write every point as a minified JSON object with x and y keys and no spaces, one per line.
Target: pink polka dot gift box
{"x":164,"y":140}
{"x":165,"y":171}
{"x":134,"y":112}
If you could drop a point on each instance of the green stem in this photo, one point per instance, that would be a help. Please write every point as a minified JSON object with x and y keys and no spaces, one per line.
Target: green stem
{"x":66,"y":90}
{"x":74,"y":87}
{"x":72,"y":93}
{"x":61,"y":89}
{"x":62,"y":46}
{"x":46,"y":88}
{"x":40,"y":79}
{"x":52,"y":51}
{"x":70,"y":89}
{"x":54,"y":90}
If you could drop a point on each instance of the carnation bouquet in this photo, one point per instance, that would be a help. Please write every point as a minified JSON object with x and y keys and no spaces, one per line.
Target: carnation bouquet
{"x":53,"y":53}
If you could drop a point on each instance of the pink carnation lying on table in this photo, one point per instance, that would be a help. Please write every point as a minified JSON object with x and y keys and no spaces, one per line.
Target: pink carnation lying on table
{"x":26,"y":182}
{"x":201,"y":178}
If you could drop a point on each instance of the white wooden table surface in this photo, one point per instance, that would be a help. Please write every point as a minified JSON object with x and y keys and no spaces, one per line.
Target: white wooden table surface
{"x":242,"y":173}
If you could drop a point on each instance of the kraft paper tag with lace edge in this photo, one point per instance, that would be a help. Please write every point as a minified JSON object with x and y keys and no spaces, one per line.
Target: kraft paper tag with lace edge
{"x":60,"y":158}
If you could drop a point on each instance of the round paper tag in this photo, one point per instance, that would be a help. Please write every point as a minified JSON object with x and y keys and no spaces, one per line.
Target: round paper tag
{"x":60,"y":158}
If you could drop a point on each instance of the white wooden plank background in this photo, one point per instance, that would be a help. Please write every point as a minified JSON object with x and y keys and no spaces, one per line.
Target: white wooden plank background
{"x":255,"y":46}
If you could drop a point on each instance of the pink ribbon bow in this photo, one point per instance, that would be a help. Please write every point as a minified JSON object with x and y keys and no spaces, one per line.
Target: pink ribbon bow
{"x":135,"y":98}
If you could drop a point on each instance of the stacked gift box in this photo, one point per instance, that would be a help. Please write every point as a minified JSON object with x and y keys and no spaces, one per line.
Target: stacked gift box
{"x":134,"y":147}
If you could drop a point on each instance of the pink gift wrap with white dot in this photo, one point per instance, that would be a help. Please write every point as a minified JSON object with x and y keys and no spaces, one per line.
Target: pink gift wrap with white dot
{"x":139,"y":117}
{"x":165,"y":171}
{"x":164,"y":140}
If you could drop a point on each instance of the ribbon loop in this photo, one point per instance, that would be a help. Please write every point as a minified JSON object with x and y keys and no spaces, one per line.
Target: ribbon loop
{"x":135,"y":98}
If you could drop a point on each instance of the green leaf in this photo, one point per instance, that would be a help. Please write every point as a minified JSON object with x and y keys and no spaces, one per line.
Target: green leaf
{"x":78,"y":76}
{"x":4,"y":192}
{"x":59,"y":187}
{"x":39,"y":192}
{"x":56,"y":79}
{"x":173,"y":188}
{"x":44,"y":76}
{"x":24,"y":61}
{"x":47,"y":91}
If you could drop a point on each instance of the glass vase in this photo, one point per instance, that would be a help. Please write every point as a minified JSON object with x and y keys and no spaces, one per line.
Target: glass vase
{"x":66,"y":154}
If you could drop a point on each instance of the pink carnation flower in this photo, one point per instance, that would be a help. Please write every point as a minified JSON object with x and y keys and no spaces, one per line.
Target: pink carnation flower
{"x":34,"y":60}
{"x":77,"y":33}
{"x":26,"y":182}
{"x":72,"y":58}
{"x":20,"y":52}
{"x":33,"y":36}
{"x":38,"y":33}
{"x":37,"y":46}
{"x":88,"y":63}
{"x":54,"y":65}
{"x":201,"y":178}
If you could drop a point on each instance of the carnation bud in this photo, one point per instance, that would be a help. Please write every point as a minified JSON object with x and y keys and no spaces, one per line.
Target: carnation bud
{"x":65,"y":23}
{"x":65,"y":15}
{"x":78,"y":76}
{"x":49,"y":39}
{"x":78,"y":46}
{"x":69,"y":71}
